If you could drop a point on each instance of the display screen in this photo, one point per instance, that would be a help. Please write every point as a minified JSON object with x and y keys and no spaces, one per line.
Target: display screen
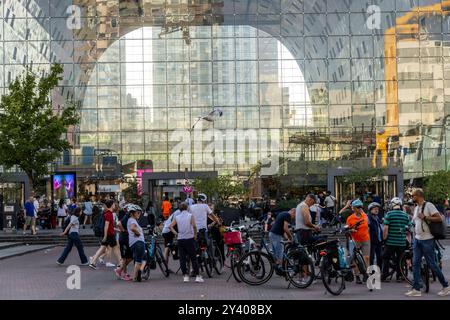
{"x":64,"y":185}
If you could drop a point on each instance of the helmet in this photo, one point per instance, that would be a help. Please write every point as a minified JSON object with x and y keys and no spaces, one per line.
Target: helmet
{"x":202,"y":197}
{"x":396,"y":202}
{"x":374,"y":205}
{"x":357,"y":203}
{"x":132,"y":207}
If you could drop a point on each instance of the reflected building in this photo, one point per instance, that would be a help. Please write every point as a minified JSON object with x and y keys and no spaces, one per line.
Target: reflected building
{"x":342,"y":86}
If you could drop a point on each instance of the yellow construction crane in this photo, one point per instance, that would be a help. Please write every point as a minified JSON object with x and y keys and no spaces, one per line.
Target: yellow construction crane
{"x":407,"y":28}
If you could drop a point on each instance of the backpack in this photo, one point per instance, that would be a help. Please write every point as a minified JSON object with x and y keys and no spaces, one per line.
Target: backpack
{"x":437,"y":229}
{"x":99,"y":226}
{"x":66,"y":223}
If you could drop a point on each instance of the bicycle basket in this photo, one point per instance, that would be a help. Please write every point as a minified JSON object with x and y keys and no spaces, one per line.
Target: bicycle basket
{"x":232,"y":238}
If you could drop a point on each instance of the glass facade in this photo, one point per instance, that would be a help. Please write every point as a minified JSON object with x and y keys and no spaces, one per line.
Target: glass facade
{"x":346,"y":83}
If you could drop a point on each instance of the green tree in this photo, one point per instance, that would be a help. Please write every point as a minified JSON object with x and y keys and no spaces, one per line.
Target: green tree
{"x":130,"y":193}
{"x":31,"y":131}
{"x":222,"y":187}
{"x":437,"y":187}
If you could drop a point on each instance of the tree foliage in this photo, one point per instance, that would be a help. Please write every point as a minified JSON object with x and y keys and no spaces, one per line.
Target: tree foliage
{"x":31,"y":131}
{"x":221,"y":188}
{"x":131,"y":193}
{"x":437,"y":187}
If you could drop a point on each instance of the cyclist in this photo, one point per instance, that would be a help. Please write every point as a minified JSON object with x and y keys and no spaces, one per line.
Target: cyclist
{"x":168,"y":236}
{"x":396,"y":222}
{"x":200,"y":211}
{"x":361,"y":234}
{"x":376,"y":234}
{"x":136,"y":241}
{"x":303,"y":225}
{"x":280,"y":228}
{"x":424,"y":244}
{"x":186,"y":235}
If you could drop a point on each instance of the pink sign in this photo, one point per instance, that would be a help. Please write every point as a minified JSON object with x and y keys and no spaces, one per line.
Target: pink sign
{"x":187,"y":189}
{"x":139,"y":173}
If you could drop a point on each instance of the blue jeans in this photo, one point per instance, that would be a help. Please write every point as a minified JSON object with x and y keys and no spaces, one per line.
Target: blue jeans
{"x":425,"y":248}
{"x":277,"y":246}
{"x":73,"y":239}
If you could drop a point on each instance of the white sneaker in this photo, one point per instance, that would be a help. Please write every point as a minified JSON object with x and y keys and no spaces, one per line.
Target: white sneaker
{"x":444,"y":292}
{"x":186,"y":278}
{"x":199,"y":279}
{"x":101,"y":261}
{"x":413,"y":293}
{"x":110,"y":265}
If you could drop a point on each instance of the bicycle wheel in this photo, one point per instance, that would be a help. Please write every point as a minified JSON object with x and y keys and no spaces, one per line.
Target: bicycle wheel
{"x":234,"y":259}
{"x":361,"y":264}
{"x":255,"y":268}
{"x":299,"y":268}
{"x":146,"y":272}
{"x":206,"y":264}
{"x":406,"y":267}
{"x":218,"y":260}
{"x":332,"y":280}
{"x":161,"y":261}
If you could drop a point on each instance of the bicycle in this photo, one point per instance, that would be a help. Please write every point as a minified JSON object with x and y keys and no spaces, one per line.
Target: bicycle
{"x":234,"y":238}
{"x":406,"y":266}
{"x":335,"y":268}
{"x":296,"y":263}
{"x":154,"y":256}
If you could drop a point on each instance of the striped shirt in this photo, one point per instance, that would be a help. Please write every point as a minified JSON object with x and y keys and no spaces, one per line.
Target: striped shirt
{"x":398,"y":222}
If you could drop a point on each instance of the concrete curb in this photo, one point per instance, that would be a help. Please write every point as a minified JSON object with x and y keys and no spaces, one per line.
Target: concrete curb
{"x":32,"y":250}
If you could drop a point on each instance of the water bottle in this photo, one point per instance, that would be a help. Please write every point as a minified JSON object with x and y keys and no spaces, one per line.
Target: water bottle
{"x":152,"y":247}
{"x":342,"y":258}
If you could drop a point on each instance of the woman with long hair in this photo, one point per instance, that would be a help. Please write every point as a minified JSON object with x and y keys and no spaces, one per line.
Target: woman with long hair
{"x":62,"y":212}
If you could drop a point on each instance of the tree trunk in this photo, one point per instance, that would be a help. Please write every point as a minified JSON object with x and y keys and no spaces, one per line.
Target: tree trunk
{"x":31,"y":181}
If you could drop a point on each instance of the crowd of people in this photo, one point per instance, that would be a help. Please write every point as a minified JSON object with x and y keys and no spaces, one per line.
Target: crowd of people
{"x":379,"y":239}
{"x":384,"y":232}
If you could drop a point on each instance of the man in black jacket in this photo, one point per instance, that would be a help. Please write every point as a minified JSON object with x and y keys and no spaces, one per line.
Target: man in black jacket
{"x":376,"y":234}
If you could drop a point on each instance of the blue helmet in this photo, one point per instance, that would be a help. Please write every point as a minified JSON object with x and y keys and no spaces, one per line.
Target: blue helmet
{"x":357,"y":203}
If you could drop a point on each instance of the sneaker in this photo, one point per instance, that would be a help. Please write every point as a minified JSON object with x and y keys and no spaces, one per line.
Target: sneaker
{"x":110,"y":265}
{"x":118,"y":273}
{"x":358,"y":280}
{"x":92,"y":266}
{"x":85,"y":264}
{"x":58,"y":263}
{"x":125,"y":277}
{"x":186,"y":278}
{"x":199,"y":279}
{"x":413,"y":293}
{"x":101,"y":261}
{"x":444,"y":292}
{"x":139,"y":276}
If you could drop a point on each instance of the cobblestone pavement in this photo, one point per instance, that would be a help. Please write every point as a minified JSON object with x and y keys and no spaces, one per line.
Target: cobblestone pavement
{"x":37,"y":276}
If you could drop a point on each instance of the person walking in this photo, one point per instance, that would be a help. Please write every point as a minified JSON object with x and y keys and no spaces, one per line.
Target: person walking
{"x":330,"y":203}
{"x":73,"y":239}
{"x":125,"y":250}
{"x":166,"y":208}
{"x":187,"y":237}
{"x":376,"y":235}
{"x":424,"y":243}
{"x":109,"y":236}
{"x":88,"y":207}
{"x":396,"y":223}
{"x":62,"y":212}
{"x":30,"y":218}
